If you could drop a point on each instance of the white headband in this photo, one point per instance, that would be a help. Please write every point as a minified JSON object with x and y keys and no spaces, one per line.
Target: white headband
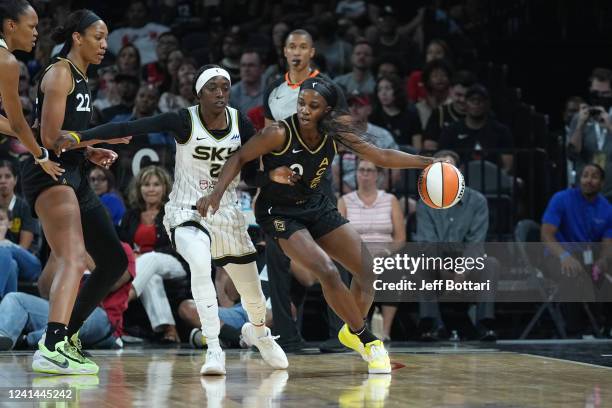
{"x":208,"y":74}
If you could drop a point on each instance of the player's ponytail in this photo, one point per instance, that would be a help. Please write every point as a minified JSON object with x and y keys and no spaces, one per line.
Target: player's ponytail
{"x":337,"y":124}
{"x":77,"y":22}
{"x":11,"y":10}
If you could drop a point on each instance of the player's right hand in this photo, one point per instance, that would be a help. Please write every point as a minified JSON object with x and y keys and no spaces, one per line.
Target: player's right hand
{"x":284,"y":175}
{"x":211,"y":201}
{"x":52,"y":168}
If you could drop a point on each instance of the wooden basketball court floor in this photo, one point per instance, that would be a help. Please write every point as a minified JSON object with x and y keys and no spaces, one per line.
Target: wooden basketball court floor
{"x":454,"y":376}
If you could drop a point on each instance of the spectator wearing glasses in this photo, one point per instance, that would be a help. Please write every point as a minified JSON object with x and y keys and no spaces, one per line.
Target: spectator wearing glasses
{"x":102,"y":182}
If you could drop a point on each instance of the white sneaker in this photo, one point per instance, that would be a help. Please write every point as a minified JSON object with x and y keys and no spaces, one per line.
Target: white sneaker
{"x":214,"y":364}
{"x":270,"y":351}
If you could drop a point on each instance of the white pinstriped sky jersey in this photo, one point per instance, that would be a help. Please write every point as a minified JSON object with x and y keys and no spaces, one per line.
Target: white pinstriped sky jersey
{"x":200,"y":159}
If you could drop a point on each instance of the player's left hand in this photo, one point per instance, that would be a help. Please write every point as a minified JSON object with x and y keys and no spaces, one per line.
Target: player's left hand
{"x":211,"y":201}
{"x":101,"y":157}
{"x":284,"y":175}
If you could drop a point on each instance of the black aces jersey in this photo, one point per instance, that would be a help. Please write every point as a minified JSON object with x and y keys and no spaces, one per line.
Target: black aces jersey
{"x":311,"y":164}
{"x":77,"y":115}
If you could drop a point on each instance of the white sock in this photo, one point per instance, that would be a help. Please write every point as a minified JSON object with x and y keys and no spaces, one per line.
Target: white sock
{"x":247,"y":283}
{"x":194,"y":245}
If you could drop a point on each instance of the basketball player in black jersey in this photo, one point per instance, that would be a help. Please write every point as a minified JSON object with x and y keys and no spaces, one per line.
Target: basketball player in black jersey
{"x":72,"y":217}
{"x":280,"y":101}
{"x":18,"y":22}
{"x":308,"y":227}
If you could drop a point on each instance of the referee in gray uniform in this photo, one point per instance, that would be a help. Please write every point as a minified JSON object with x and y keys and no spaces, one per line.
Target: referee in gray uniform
{"x":280,"y":101}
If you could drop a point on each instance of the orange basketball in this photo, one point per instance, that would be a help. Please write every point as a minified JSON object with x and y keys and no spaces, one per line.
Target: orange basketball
{"x":441,"y":185}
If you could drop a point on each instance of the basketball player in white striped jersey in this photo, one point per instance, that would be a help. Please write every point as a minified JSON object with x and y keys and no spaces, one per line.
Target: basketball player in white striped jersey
{"x":207,"y":135}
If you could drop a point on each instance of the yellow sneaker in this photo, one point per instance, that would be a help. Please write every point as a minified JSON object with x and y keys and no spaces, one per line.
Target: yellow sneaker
{"x":351,"y":341}
{"x":377,"y":358}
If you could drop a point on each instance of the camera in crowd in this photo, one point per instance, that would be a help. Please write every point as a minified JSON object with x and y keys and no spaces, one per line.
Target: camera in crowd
{"x":594,"y":112}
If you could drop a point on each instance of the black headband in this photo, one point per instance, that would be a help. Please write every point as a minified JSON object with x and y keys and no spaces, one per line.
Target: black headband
{"x":89,"y":17}
{"x":327,"y":91}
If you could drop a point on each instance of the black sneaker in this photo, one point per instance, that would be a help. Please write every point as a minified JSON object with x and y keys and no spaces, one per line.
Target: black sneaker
{"x":295,"y":346}
{"x":488,"y":336}
{"x":332,"y":345}
{"x":429,"y":336}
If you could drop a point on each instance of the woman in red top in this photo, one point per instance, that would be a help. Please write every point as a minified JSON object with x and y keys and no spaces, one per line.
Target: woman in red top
{"x":415,"y":88}
{"x":142,"y":228}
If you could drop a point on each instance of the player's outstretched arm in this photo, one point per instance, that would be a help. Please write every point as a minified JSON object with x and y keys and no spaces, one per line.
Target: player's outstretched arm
{"x":271,"y":138}
{"x":387,"y":158}
{"x":119,"y":132}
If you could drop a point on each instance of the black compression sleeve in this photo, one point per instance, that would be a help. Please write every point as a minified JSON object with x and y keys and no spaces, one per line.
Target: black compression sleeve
{"x":166,"y":122}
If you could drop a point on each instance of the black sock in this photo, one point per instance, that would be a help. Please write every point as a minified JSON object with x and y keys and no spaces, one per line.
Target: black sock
{"x":365,"y":335}
{"x":56,"y":332}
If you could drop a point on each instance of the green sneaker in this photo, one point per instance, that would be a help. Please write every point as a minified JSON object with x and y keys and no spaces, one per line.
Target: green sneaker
{"x":65,"y":359}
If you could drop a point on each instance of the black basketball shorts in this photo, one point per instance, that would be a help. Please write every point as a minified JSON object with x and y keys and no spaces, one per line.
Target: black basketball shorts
{"x":317,"y":214}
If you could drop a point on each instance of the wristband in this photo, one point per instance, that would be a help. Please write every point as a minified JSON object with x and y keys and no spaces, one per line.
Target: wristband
{"x":564,"y":255}
{"x":75,"y":136}
{"x":44,"y":157}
